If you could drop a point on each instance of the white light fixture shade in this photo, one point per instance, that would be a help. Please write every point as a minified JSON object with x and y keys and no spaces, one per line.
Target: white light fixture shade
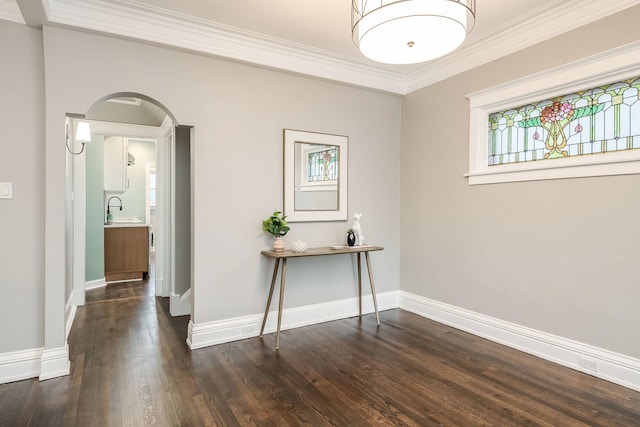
{"x":83,"y":132}
{"x":410,"y":31}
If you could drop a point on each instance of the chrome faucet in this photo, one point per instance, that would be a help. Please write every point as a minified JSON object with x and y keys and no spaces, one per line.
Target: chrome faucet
{"x":109,"y":201}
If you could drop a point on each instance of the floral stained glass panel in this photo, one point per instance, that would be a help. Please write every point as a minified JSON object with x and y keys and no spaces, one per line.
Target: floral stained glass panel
{"x":594,"y":121}
{"x":323,"y":165}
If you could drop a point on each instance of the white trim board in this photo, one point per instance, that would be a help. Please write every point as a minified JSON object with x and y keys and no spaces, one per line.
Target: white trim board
{"x":70,"y":309}
{"x":71,"y":315}
{"x":180,"y":305}
{"x":157,"y":25}
{"x":9,"y":11}
{"x":142,"y":21}
{"x":20,"y":365}
{"x":604,"y":364}
{"x":610,"y":366}
{"x":603,"y":68}
{"x":55,"y":363}
{"x":95,"y":284}
{"x":211,"y":333}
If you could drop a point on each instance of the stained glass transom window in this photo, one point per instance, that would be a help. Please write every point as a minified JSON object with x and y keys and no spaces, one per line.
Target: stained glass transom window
{"x":594,"y":121}
{"x":323,"y":165}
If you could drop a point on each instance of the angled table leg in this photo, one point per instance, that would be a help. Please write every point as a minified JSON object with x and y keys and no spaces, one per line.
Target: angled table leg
{"x":359,"y":286}
{"x":283,"y":274}
{"x":373,"y":289}
{"x":273,"y":283}
{"x":281,"y":262}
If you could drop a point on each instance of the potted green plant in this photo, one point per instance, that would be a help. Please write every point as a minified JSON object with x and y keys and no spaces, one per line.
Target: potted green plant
{"x":277,"y":226}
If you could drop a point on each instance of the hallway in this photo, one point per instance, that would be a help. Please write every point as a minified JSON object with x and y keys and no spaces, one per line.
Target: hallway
{"x":126,"y":356}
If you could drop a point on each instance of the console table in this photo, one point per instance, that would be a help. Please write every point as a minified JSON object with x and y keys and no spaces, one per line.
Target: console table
{"x":281,"y":259}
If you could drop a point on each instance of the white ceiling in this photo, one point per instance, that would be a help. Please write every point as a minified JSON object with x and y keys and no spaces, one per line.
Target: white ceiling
{"x":310,"y":36}
{"x":322,"y":24}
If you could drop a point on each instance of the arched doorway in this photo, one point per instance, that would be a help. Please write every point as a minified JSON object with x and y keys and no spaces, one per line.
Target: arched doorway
{"x":139,"y":119}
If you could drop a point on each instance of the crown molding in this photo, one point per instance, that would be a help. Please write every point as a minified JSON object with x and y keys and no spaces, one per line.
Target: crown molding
{"x":160,"y":26}
{"x":537,"y":26}
{"x":9,"y":11}
{"x":139,"y":21}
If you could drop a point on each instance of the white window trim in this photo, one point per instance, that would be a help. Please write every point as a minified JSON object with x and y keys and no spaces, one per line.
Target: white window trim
{"x":608,"y":67}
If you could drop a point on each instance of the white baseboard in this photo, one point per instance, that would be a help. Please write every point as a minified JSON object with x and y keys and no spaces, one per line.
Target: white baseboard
{"x":601,"y":363}
{"x":211,"y":333}
{"x":70,"y":316}
{"x":20,"y":365}
{"x":610,"y":366}
{"x":93,"y":284}
{"x":54,"y":363}
{"x":180,"y":305}
{"x":160,"y":288}
{"x":70,"y":313}
{"x":605,"y":364}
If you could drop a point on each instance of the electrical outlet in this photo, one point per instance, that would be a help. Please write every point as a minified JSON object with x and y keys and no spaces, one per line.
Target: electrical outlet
{"x":589,"y":364}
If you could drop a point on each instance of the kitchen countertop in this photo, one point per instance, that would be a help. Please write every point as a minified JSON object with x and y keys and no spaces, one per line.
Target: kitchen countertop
{"x":126,"y":223}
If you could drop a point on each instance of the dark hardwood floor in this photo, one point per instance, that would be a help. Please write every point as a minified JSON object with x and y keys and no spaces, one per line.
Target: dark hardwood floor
{"x":130,"y":366}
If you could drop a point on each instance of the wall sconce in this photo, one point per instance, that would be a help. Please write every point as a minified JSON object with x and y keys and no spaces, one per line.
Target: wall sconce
{"x":83,"y":134}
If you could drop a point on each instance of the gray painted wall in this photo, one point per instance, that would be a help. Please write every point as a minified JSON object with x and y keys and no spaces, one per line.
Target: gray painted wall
{"x":182,"y":210}
{"x":238,"y":113}
{"x":22,"y":163}
{"x":558,"y":256}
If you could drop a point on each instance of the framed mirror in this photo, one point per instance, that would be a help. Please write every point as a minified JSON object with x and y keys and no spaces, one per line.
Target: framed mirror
{"x":315,"y":176}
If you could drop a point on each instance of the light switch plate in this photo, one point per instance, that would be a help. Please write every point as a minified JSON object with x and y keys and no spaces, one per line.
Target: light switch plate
{"x":6,"y":190}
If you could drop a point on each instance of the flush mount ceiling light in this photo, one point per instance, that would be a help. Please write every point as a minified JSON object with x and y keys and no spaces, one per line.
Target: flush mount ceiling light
{"x":410,"y":31}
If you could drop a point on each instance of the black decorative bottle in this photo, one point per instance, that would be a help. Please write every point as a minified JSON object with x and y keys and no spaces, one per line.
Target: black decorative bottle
{"x":351,"y":238}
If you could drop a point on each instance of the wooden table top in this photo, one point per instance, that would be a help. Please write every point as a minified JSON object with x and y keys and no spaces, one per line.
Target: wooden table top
{"x":325,"y":250}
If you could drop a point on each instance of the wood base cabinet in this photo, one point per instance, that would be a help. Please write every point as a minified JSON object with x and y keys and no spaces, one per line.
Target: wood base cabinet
{"x":126,"y":253}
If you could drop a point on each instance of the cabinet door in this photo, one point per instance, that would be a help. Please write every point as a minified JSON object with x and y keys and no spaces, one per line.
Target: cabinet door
{"x":126,"y":253}
{"x":115,"y":164}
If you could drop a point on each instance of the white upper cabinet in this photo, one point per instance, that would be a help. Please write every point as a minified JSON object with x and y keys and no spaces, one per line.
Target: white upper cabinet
{"x":115,"y":164}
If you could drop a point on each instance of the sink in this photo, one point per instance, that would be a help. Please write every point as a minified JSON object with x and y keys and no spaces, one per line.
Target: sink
{"x":126,"y":221}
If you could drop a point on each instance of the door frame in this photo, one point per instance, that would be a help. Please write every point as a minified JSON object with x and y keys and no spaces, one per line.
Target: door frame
{"x":78,"y":196}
